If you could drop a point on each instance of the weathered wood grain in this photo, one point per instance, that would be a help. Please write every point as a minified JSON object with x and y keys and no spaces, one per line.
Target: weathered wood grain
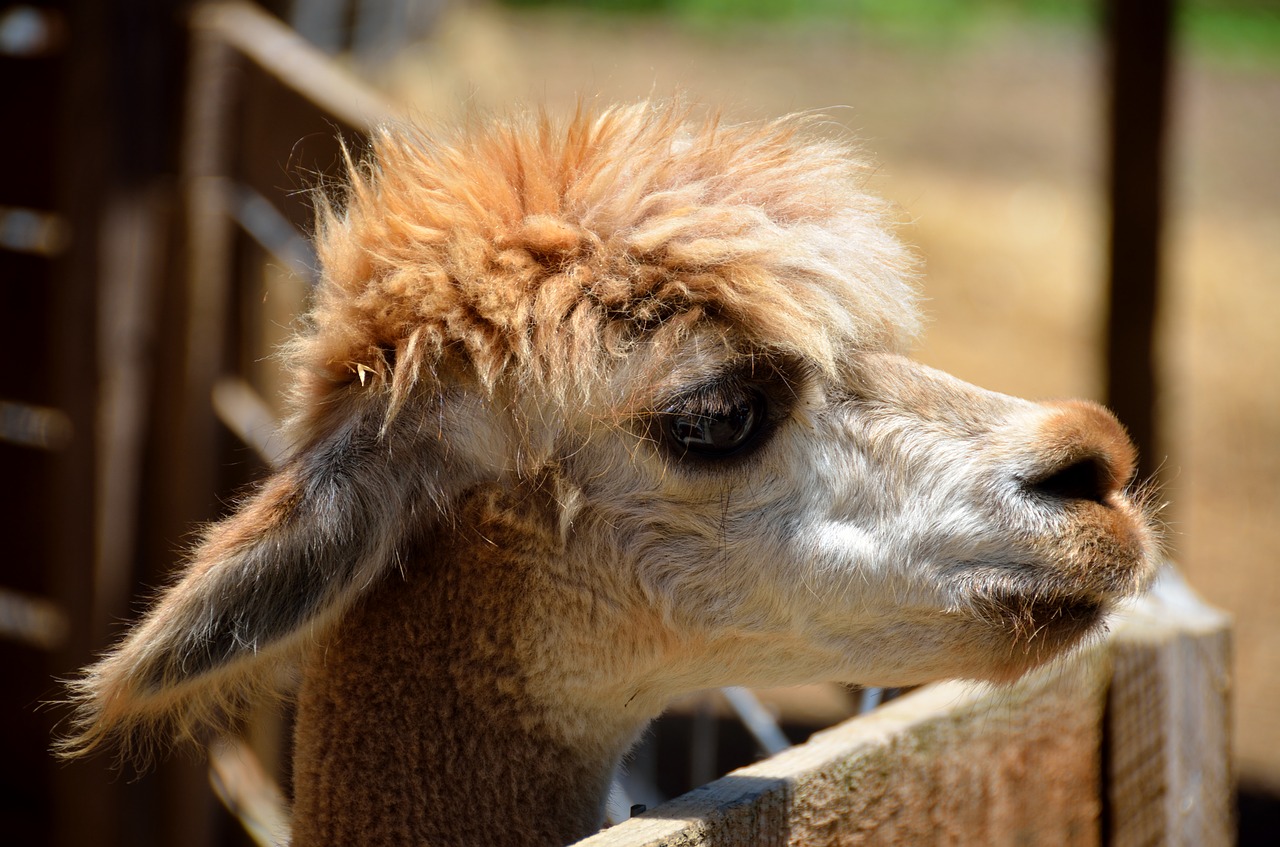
{"x":1169,"y":717}
{"x":950,"y":764}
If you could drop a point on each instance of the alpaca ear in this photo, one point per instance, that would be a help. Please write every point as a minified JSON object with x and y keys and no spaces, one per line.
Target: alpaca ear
{"x":293,"y":557}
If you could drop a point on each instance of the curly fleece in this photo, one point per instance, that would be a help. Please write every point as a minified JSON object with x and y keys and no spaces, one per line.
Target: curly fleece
{"x":535,"y":250}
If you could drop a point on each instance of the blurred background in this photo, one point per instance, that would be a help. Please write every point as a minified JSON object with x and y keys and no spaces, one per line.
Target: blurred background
{"x":150,"y":261}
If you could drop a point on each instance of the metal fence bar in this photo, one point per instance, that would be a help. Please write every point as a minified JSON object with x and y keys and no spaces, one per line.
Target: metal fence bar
{"x":757,"y":719}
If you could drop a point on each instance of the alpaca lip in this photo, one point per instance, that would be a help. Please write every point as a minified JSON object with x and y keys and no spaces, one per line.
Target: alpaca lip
{"x":1049,"y":620}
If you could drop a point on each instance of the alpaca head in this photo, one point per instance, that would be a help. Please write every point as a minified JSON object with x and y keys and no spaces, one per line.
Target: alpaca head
{"x":684,"y":341}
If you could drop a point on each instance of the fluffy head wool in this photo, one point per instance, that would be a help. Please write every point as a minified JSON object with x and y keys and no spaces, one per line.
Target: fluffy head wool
{"x":526,"y":247}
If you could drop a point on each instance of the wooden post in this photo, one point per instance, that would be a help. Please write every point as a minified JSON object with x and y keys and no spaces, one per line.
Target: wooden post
{"x":1139,"y":35}
{"x":116,"y":160}
{"x":1169,"y":778}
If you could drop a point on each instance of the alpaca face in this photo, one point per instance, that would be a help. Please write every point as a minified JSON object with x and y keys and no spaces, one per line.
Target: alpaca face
{"x":890,"y":527}
{"x":689,"y":335}
{"x":887,"y":527}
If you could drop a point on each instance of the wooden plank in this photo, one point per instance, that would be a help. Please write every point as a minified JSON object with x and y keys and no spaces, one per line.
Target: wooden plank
{"x":950,"y":764}
{"x":283,"y":53}
{"x":1168,"y":772}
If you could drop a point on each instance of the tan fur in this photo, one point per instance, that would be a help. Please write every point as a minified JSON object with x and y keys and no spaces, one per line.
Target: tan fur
{"x":491,"y":558}
{"x":456,"y":644}
{"x":531,"y":249}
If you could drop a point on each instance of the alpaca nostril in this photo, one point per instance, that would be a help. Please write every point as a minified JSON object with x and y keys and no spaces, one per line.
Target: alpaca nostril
{"x":1080,"y":453}
{"x":1084,"y":479}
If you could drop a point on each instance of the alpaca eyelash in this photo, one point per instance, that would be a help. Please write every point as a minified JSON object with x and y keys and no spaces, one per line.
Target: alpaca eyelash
{"x":719,"y":429}
{"x":711,"y":398}
{"x":781,"y":379}
{"x":729,"y":418}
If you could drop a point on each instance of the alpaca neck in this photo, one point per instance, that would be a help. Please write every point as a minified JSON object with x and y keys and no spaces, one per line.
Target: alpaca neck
{"x":425,"y":717}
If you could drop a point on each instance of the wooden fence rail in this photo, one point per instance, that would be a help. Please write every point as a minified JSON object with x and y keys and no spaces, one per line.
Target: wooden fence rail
{"x":1125,"y":743}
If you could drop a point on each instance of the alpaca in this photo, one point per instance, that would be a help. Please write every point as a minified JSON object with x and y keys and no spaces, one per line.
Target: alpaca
{"x":588,"y":416}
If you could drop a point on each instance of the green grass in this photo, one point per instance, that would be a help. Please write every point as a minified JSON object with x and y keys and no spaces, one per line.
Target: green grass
{"x":1238,"y":32}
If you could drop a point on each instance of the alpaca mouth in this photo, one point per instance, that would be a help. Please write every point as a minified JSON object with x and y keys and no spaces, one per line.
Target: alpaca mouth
{"x":1026,"y":630}
{"x":1030,"y":607}
{"x":1042,"y":621}
{"x":1031,"y":611}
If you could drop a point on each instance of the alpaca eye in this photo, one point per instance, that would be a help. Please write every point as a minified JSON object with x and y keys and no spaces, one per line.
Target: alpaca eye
{"x":717,"y":432}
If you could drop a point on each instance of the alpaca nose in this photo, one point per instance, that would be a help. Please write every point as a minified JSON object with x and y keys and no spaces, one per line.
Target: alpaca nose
{"x":1081,"y":453}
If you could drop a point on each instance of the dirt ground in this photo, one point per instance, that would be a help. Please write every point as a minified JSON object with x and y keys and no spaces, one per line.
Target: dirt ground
{"x":992,"y":146}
